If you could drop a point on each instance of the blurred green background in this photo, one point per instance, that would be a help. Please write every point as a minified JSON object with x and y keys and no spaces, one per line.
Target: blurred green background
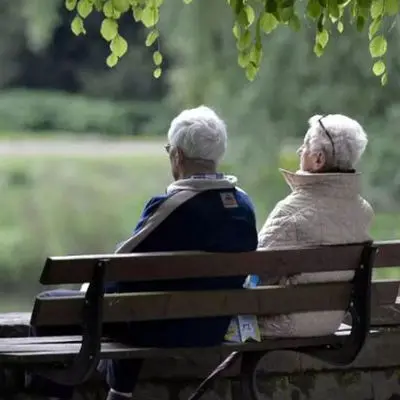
{"x":81,"y":146}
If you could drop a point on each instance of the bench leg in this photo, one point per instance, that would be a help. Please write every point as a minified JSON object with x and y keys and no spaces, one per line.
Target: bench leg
{"x":88,"y":357}
{"x":206,"y":384}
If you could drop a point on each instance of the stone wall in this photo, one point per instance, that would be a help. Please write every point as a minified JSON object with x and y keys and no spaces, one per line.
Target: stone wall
{"x":281,"y":375}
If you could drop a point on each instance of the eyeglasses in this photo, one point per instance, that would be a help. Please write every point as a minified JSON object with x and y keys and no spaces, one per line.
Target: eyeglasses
{"x":328,"y":135}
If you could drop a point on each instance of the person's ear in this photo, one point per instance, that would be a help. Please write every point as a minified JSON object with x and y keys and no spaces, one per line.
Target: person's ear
{"x":319,"y":161}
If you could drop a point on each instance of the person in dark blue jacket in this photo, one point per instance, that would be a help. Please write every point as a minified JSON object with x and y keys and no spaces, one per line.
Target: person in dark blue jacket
{"x":202,"y":210}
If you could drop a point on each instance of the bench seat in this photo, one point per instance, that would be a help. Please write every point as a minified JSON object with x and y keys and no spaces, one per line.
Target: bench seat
{"x":64,"y":348}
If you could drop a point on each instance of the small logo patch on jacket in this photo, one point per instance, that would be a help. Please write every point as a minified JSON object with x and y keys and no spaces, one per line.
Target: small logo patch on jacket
{"x":228,"y":200}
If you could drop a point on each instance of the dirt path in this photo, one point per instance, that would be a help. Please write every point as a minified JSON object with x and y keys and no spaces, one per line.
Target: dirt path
{"x":76,"y":147}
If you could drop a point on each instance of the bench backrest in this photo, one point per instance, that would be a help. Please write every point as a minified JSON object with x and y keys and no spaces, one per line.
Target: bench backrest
{"x":189,"y":304}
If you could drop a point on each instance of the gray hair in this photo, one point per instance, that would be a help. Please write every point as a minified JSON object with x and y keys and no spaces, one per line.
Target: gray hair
{"x":199,"y":133}
{"x":348,"y":137}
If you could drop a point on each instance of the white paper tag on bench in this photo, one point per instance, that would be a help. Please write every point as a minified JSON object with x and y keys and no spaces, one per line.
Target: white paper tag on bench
{"x":243,"y":328}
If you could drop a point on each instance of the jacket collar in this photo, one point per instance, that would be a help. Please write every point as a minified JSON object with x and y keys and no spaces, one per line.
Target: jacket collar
{"x":202,"y":183}
{"x":329,"y":184}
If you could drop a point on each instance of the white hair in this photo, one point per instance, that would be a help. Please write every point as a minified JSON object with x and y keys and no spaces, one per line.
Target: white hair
{"x":348,"y":136}
{"x":199,"y":133}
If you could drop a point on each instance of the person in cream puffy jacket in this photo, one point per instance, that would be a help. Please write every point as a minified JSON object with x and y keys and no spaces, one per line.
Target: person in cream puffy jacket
{"x":324,"y":208}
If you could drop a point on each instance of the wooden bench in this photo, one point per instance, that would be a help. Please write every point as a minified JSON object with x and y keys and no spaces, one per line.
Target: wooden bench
{"x":72,"y":359}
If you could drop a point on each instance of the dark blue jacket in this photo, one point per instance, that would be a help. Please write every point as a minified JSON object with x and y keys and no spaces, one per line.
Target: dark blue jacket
{"x":202,"y":223}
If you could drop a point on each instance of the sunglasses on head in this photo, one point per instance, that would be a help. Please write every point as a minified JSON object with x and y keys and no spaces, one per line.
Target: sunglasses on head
{"x":328,"y":135}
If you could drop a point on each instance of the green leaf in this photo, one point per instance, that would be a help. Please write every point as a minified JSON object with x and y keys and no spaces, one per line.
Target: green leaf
{"x":314,"y":9}
{"x":244,"y":59}
{"x":119,"y":46}
{"x":360,"y":23}
{"x":286,"y":14}
{"x":378,"y":68}
{"x":244,"y":41}
{"x":108,"y":9}
{"x":70,"y":4}
{"x":84,"y":8}
{"x":137,"y":13}
{"x":391,"y":7}
{"x":187,"y":1}
{"x":152,"y":37}
{"x":121,"y":5}
{"x":249,"y":14}
{"x":384,"y":79}
{"x":157,"y":58}
{"x":377,"y":8}
{"x":374,"y":27}
{"x":256,"y":54}
{"x":109,"y":29}
{"x":340,"y":27}
{"x":232,"y":3}
{"x":150,"y":16}
{"x":268,"y":22}
{"x":378,"y":46}
{"x":157,"y":73}
{"x":242,"y":18}
{"x":77,"y":26}
{"x":236,"y":30}
{"x":333,"y":9}
{"x":98,"y":5}
{"x":294,"y":23}
{"x":322,"y":38}
{"x":318,"y":50}
{"x":112,"y":60}
{"x":251,"y":71}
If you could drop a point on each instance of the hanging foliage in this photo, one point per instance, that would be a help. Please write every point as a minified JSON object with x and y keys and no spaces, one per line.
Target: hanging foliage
{"x":252,"y":19}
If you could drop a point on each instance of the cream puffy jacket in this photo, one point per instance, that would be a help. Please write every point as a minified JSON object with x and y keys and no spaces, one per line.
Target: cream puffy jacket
{"x":322,"y":209}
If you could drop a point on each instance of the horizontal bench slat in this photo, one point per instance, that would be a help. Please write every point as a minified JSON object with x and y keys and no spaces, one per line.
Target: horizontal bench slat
{"x":388,"y":254}
{"x":38,"y":340}
{"x":170,"y":305}
{"x":64,"y":352}
{"x":146,"y":266}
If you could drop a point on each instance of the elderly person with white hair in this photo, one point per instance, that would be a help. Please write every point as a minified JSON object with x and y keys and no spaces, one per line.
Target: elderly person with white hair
{"x":202,"y":210}
{"x":324,"y":208}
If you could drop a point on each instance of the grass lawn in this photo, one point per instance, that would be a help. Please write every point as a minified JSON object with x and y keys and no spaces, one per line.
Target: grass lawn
{"x":73,"y":205}
{"x":68,"y":205}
